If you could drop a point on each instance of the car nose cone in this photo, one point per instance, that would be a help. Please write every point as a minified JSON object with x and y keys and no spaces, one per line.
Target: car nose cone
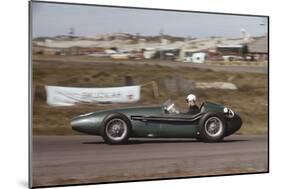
{"x":77,"y":124}
{"x":234,"y":125}
{"x":84,"y":124}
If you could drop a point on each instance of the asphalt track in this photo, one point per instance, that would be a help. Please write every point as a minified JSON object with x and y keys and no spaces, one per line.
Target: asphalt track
{"x":59,"y":160}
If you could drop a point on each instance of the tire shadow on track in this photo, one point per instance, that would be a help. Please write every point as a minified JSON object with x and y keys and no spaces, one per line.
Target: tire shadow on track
{"x":134,"y":142}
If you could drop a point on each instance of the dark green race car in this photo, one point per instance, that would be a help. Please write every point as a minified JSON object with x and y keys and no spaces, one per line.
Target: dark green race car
{"x":211,"y":124}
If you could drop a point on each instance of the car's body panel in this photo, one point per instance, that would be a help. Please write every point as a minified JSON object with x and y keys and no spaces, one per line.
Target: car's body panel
{"x":233,"y":125}
{"x":154,"y":121}
{"x":91,"y":123}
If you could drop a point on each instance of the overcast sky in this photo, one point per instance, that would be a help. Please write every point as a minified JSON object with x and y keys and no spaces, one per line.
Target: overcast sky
{"x":57,"y":19}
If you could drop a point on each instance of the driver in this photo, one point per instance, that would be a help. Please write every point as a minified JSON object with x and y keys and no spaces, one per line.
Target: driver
{"x":191,"y":103}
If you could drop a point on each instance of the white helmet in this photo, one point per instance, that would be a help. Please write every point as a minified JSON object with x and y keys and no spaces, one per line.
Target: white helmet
{"x":191,"y":97}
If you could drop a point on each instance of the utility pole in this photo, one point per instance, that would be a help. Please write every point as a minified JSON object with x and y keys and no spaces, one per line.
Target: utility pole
{"x":264,"y":23}
{"x":161,"y":33}
{"x":71,"y":32}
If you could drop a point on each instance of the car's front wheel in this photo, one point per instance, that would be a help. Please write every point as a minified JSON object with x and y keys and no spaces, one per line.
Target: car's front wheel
{"x":212,"y":127}
{"x":116,"y":129}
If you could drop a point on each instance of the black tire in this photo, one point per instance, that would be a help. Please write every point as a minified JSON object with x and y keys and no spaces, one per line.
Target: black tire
{"x":108,"y":131}
{"x":214,"y":132}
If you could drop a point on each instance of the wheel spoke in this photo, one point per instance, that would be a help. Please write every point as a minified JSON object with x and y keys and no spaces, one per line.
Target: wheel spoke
{"x":213,"y":126}
{"x":116,"y":129}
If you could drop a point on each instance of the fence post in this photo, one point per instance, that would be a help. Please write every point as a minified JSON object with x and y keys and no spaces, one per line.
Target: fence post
{"x":155,"y":89}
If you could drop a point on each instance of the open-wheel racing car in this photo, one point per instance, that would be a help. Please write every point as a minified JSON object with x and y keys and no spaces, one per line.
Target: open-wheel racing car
{"x":211,"y":124}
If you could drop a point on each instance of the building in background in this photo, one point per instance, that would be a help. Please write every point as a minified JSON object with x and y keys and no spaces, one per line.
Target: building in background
{"x":258,"y":49}
{"x":233,"y":52}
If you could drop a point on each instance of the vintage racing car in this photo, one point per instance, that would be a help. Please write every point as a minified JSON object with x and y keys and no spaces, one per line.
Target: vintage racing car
{"x":211,"y":124}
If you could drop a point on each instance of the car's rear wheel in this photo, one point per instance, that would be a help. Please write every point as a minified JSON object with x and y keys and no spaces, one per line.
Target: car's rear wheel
{"x":116,"y":129}
{"x":212,"y":127}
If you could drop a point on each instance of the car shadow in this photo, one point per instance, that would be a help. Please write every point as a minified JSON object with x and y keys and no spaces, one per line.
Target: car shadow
{"x":145,"y":141}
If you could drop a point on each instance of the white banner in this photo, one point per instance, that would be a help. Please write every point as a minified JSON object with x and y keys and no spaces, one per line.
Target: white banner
{"x":68,"y":96}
